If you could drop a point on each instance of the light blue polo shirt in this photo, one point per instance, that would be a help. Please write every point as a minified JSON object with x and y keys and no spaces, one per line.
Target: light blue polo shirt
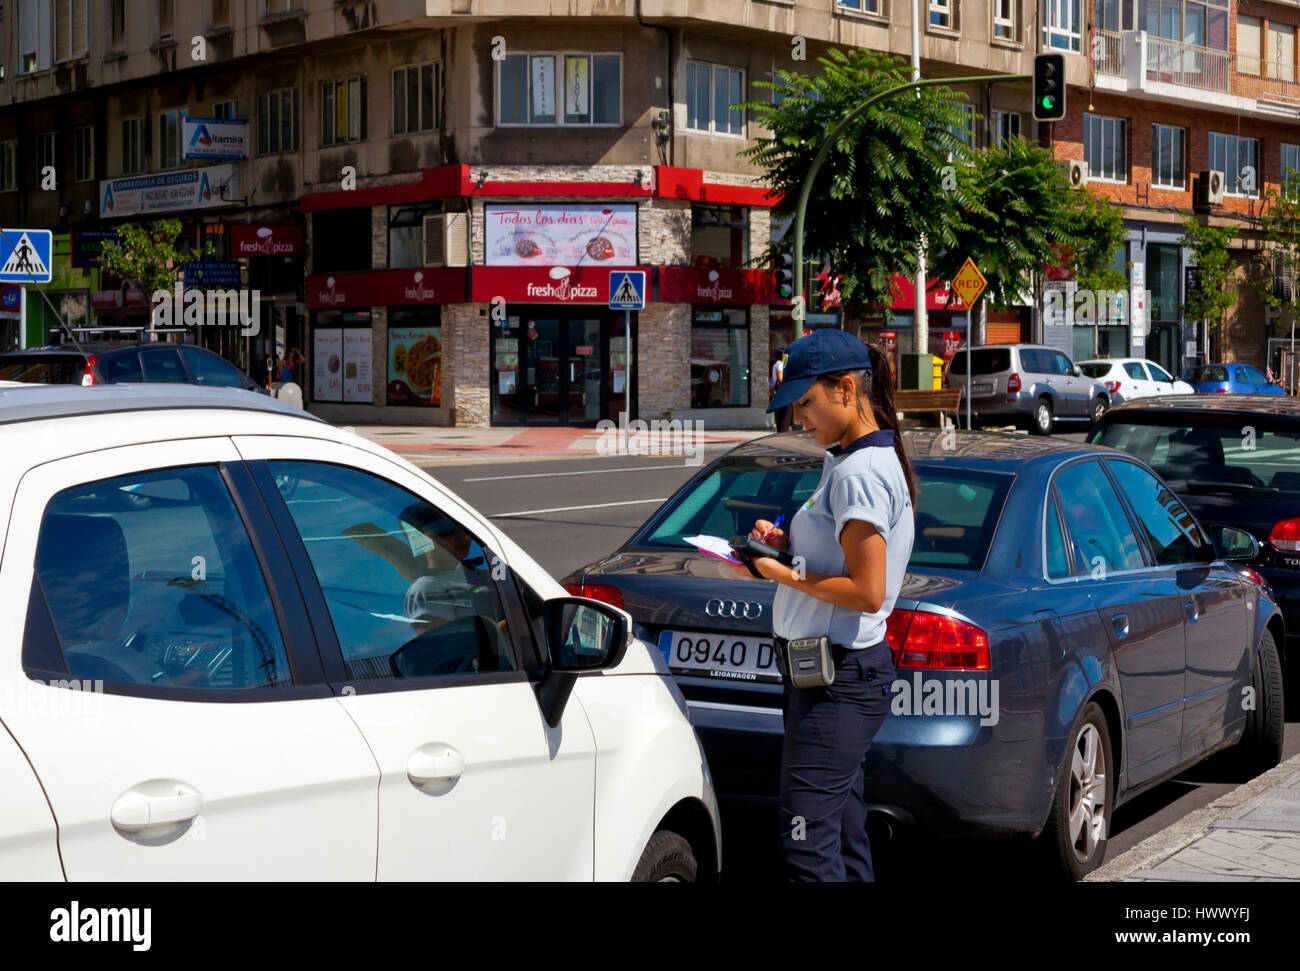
{"x":864,"y":481}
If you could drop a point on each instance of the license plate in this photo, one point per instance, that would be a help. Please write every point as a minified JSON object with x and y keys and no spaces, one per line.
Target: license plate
{"x":981,"y":388}
{"x":728,"y":656}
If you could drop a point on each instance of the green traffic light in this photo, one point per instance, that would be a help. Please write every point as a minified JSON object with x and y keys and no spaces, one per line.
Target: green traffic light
{"x":1048,"y":102}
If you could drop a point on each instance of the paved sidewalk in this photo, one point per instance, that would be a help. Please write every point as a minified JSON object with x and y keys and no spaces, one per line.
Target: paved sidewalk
{"x":1250,"y":834}
{"x":428,"y":444}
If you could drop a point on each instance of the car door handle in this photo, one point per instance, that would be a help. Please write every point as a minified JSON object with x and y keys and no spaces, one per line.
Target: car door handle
{"x":1193,"y":611}
{"x":159,"y":803}
{"x":435,"y":765}
{"x":1120,"y":623}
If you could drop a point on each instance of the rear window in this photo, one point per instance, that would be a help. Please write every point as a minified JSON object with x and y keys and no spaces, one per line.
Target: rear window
{"x":1201,"y":459}
{"x":1095,"y":370}
{"x":1199,"y":375}
{"x":124,"y":366}
{"x":985,"y":360}
{"x":61,"y":369}
{"x":957,"y":511}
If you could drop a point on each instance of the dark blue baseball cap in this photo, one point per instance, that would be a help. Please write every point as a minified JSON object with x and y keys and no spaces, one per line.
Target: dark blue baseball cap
{"x":820,"y":352}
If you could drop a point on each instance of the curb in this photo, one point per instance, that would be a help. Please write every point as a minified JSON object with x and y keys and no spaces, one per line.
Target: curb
{"x":1164,"y":844}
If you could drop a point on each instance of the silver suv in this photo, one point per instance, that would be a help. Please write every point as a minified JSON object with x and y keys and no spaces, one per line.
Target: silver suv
{"x":1028,"y":385}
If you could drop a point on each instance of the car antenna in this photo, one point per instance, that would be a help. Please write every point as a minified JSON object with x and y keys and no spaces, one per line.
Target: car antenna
{"x":41,"y":289}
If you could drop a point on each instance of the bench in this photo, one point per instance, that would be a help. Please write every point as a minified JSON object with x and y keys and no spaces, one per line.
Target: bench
{"x":940,"y":402}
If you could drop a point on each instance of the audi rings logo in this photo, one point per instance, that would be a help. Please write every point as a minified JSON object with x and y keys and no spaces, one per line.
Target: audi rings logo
{"x":748,"y":609}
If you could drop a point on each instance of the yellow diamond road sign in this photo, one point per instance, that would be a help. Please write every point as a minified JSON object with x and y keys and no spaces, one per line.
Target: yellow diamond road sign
{"x":969,"y":282}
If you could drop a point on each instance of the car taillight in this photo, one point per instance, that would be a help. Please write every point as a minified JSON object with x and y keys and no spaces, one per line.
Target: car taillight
{"x":1113,"y":386}
{"x":1285,"y":536}
{"x":1253,"y":576}
{"x":920,"y":639}
{"x":1013,"y":383}
{"x":88,"y":378}
{"x":1220,"y":390}
{"x":597,"y":591}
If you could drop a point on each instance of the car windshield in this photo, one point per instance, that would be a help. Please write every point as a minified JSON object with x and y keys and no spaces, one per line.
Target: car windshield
{"x":984,"y":360}
{"x":1196,"y":458}
{"x":1209,"y":372}
{"x":41,"y":370}
{"x":1095,"y":370}
{"x":957,"y":509}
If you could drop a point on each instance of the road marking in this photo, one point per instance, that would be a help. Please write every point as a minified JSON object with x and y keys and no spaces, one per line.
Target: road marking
{"x":542,"y":475}
{"x":595,"y":505}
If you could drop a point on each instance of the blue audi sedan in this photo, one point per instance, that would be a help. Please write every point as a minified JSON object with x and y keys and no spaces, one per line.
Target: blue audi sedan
{"x":1230,"y":379}
{"x":1068,"y":635}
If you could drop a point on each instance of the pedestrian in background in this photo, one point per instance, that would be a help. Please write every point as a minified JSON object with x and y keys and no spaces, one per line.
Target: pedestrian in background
{"x":773,"y":382}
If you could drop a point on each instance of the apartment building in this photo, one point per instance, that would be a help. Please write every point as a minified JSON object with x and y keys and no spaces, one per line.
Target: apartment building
{"x":430,"y":197}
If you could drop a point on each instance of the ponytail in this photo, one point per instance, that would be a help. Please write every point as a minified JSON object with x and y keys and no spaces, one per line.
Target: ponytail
{"x":877,"y":387}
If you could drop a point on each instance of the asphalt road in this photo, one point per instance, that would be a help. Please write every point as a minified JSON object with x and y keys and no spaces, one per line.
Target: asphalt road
{"x":568,"y":512}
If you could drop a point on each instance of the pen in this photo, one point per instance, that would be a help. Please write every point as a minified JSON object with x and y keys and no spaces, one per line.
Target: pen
{"x":779,"y":520}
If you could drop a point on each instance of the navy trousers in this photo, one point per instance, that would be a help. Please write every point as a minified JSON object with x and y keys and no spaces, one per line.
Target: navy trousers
{"x":827,"y":733}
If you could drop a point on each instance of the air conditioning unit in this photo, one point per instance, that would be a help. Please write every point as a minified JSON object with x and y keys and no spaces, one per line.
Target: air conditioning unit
{"x":1283,"y":281}
{"x":1076,"y":172}
{"x":446,"y":239}
{"x":1207,"y":189}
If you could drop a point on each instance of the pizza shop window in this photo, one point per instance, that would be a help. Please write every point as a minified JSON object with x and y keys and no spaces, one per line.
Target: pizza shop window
{"x":340,"y":239}
{"x":719,"y":237}
{"x":415,"y":356}
{"x":406,"y":233}
{"x":720,"y":357}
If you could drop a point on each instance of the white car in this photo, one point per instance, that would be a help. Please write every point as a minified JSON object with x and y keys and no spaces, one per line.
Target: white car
{"x":244,"y":644}
{"x":1127,"y":378}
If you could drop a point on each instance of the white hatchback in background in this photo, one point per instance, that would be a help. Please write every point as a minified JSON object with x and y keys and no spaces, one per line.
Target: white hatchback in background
{"x":243,"y":644}
{"x":1127,"y":378}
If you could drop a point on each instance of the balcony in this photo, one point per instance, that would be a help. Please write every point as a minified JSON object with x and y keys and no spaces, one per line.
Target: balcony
{"x":1169,"y":68}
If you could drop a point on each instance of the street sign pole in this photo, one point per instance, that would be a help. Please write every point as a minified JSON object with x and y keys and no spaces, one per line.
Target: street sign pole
{"x":22,"y":316}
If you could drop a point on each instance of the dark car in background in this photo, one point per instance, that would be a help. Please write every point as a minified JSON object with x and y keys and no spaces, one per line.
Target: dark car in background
{"x":1086,"y":634}
{"x":1232,"y":459}
{"x":121,"y":362}
{"x":1230,"y":379}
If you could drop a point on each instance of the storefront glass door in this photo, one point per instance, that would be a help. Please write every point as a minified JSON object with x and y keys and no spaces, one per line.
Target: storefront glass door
{"x":585,"y":371}
{"x":545,"y":345}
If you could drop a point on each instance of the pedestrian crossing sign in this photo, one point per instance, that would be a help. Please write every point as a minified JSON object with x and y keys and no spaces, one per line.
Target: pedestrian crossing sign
{"x":26,"y":255}
{"x":627,"y":289}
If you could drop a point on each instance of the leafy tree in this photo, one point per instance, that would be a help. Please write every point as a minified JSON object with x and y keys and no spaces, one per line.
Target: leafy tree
{"x":1213,"y":295}
{"x":1099,"y":228}
{"x":1281,"y":226}
{"x":889,"y":178}
{"x":148,"y":255}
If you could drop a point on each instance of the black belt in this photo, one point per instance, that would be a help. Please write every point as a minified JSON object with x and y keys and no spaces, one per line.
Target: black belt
{"x":837,"y":650}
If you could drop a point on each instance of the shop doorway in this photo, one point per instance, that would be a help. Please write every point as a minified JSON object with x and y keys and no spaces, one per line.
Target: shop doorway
{"x":1162,"y":346}
{"x":560,"y":367}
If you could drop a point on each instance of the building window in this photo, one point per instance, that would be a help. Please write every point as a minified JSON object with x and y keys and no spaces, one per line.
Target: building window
{"x":281,"y":6}
{"x":1105,"y":148}
{"x":165,"y":19}
{"x":592,"y":86}
{"x":343,"y":110}
{"x":1238,"y":159}
{"x":132,"y":146}
{"x":876,"y":7}
{"x":1197,"y":23}
{"x":1290,"y":170}
{"x":220,"y":13}
{"x":942,"y":14}
{"x":720,"y":357}
{"x":69,"y":29}
{"x":9,"y":165}
{"x":118,"y":26}
{"x":225,"y":110}
{"x":84,"y":153}
{"x":1281,"y":52}
{"x":340,"y":240}
{"x":966,"y":130}
{"x":34,"y":49}
{"x":1063,"y":25}
{"x":406,"y":234}
{"x":45,"y":154}
{"x":1006,"y":124}
{"x":169,"y":138}
{"x":1167,"y":159}
{"x":1247,"y":45}
{"x":711,"y":90}
{"x":277,"y":121}
{"x":415,"y":97}
{"x":1004,"y":19}
{"x":719,"y":237}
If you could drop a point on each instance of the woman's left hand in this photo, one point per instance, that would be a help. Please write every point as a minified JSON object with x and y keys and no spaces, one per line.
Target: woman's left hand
{"x":766,"y":565}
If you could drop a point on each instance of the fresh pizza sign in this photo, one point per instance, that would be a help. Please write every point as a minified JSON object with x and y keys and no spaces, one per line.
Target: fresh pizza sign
{"x":561,"y":235}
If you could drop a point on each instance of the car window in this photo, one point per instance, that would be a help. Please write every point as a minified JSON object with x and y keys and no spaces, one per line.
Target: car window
{"x":1236,"y":457}
{"x":1171,"y":531}
{"x":151,"y":579}
{"x":61,"y":370}
{"x":1239,"y":375}
{"x":1058,"y":567}
{"x":1254,"y":377}
{"x":1207,"y":374}
{"x":1061,"y":362}
{"x":1095,"y":370}
{"x":410,"y":591}
{"x":163,"y":364}
{"x":1097,"y":526}
{"x":1134,"y":371}
{"x":1159,"y":373}
{"x":1032,"y":361}
{"x":986,"y":360}
{"x":121,"y":367}
{"x":208,"y":369}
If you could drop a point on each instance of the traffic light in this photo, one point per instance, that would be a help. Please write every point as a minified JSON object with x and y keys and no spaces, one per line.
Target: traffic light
{"x":1049,"y":87}
{"x":785,"y":276}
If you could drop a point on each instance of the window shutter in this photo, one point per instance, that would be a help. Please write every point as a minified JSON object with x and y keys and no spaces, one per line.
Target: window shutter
{"x":62,"y":31}
{"x":80,"y":41}
{"x":1248,"y":45}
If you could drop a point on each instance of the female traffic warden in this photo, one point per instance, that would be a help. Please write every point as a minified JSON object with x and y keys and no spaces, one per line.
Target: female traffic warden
{"x":851,"y":542}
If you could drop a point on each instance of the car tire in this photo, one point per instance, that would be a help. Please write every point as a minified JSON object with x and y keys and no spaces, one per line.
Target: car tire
{"x":667,"y":858}
{"x":1099,"y":407}
{"x":1072,"y":847}
{"x":1260,"y":747}
{"x":1040,"y":421}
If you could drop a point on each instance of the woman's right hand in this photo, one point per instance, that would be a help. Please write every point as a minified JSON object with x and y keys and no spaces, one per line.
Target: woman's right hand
{"x":766,"y":532}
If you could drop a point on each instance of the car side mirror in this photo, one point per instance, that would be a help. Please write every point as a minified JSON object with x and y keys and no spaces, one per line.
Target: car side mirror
{"x":581,"y":635}
{"x":1235,"y":544}
{"x":1076,"y":371}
